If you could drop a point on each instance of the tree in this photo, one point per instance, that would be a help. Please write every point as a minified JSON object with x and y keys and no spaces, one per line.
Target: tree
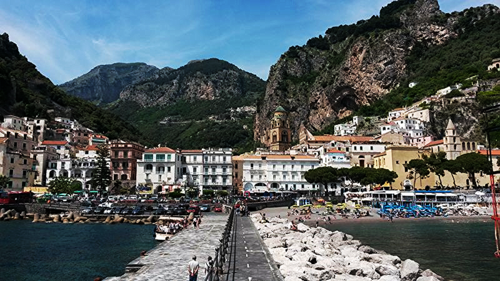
{"x":208,"y":193}
{"x":4,"y":182}
{"x":322,"y":175}
{"x":175,"y":194}
{"x":436,"y":164}
{"x":453,"y":167}
{"x":222,"y":193}
{"x":379,"y":176}
{"x":472,"y":163}
{"x":192,"y":192}
{"x":101,"y":177}
{"x":419,"y":170}
{"x":64,"y":185}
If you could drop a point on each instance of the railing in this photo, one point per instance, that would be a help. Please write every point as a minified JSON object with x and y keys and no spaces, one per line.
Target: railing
{"x":217,"y":269}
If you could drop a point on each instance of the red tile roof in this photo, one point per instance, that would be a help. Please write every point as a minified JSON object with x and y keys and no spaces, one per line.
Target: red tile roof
{"x":433,"y":143}
{"x":335,"y":151}
{"x":91,"y":147}
{"x":191,"y":151}
{"x":160,"y":149}
{"x":494,"y":152}
{"x":49,"y":142}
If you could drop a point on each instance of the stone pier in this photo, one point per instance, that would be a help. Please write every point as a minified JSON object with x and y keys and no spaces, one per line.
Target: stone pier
{"x":168,"y":261}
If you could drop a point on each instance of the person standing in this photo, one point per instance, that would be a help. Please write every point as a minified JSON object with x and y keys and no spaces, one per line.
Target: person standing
{"x":209,"y":268}
{"x":193,"y":268}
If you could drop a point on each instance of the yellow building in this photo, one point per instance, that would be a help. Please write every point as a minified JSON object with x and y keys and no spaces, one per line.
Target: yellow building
{"x":395,"y":157}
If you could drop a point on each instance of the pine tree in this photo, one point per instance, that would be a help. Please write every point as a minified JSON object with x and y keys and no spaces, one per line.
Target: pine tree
{"x":101,"y":177}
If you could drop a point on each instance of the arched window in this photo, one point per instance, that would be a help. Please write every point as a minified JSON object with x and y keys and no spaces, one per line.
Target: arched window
{"x":115,"y":177}
{"x":463,"y":145}
{"x":124,"y":177}
{"x":284,"y":136}
{"x":275,"y":137}
{"x":52,"y":174}
{"x":160,"y":169}
{"x":148,"y":167}
{"x":473,"y":146}
{"x":468,"y":146}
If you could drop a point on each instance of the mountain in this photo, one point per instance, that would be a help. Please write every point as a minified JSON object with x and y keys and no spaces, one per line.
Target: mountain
{"x":26,"y":92}
{"x":366,"y":67}
{"x":201,"y":104}
{"x":104,"y":83}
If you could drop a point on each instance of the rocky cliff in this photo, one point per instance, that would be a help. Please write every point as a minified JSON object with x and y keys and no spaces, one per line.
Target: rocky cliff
{"x":209,"y":79}
{"x":104,"y":83}
{"x":351,"y":65}
{"x":205,"y":103}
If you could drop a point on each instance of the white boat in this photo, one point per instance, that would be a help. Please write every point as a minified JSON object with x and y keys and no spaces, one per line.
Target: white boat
{"x":162,"y":236}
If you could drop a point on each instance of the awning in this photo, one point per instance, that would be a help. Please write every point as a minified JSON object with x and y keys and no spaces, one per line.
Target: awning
{"x":93,"y":191}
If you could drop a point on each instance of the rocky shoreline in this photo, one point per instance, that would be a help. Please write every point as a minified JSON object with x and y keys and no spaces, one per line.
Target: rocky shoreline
{"x":315,"y":253}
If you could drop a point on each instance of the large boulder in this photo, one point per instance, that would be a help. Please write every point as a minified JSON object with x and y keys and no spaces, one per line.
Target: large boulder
{"x":385,"y":269}
{"x":389,"y":278}
{"x":409,"y":270}
{"x":429,"y":273}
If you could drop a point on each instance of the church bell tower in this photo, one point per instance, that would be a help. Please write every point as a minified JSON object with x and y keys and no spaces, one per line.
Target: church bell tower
{"x":280,"y":131}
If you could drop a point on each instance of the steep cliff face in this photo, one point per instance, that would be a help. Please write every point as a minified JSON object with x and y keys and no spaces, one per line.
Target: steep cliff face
{"x":350,"y":66}
{"x":209,"y":79}
{"x":104,"y":83}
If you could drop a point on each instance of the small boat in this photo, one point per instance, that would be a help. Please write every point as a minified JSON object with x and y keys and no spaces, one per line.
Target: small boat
{"x":162,"y":236}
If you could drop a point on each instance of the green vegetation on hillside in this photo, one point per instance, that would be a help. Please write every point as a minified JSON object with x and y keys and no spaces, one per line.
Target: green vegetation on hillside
{"x":26,"y":92}
{"x":437,"y":66}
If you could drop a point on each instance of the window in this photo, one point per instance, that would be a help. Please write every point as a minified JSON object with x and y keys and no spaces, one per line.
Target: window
{"x":15,"y":144}
{"x":12,"y":160}
{"x":124,"y":177}
{"x":213,"y":170}
{"x":206,"y":171}
{"x":147,"y":157}
{"x":169,"y":157}
{"x":260,"y":177}
{"x":251,"y":177}
{"x":160,"y":157}
{"x":360,"y":148}
{"x":355,"y":148}
{"x":125,"y":165}
{"x":274,"y":167}
{"x":11,"y":173}
{"x":194,"y":170}
{"x":194,"y":158}
{"x":169,"y":169}
{"x":251,"y":166}
{"x":224,"y":170}
{"x":148,"y":167}
{"x":371,"y":147}
{"x":25,"y":162}
{"x":397,"y":161}
{"x":160,"y":170}
{"x":224,"y":159}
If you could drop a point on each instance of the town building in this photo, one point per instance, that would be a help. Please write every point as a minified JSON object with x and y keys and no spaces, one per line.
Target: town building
{"x":124,"y":156}
{"x":15,"y":164}
{"x":192,"y":167}
{"x":237,"y":174}
{"x":361,"y":153}
{"x":62,"y":148}
{"x":81,"y":136}
{"x":14,"y":122}
{"x":280,"y":131}
{"x":37,"y":129}
{"x":495,"y":65}
{"x":277,"y":173}
{"x":42,"y":156}
{"x":335,"y":158}
{"x":158,"y":170}
{"x":395,"y":113}
{"x":217,"y":169}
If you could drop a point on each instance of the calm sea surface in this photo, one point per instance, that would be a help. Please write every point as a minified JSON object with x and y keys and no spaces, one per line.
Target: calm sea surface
{"x":69,"y":251}
{"x":457,"y":250}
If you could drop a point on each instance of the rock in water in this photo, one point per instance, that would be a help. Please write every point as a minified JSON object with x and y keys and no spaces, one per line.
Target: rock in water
{"x":409,"y":270}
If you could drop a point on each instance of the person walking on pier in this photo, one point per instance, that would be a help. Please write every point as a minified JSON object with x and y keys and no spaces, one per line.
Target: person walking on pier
{"x":209,"y":268}
{"x":193,"y":268}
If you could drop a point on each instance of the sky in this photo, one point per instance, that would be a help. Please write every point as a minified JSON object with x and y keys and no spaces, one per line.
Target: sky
{"x":66,"y":39}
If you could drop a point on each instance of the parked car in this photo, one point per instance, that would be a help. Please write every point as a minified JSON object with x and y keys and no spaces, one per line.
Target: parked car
{"x":205,"y":208}
{"x":126,"y":211}
{"x":138,"y":210}
{"x":180,"y":210}
{"x":99,"y":210}
{"x":108,"y":211}
{"x":116,"y":210}
{"x":87,"y":211}
{"x":194,"y":209}
{"x":169,"y":210}
{"x":86,"y":203}
{"x":159,"y":211}
{"x":218,"y":209}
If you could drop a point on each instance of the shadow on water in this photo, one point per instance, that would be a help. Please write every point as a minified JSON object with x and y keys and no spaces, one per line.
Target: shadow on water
{"x":455,"y":249}
{"x":69,"y":251}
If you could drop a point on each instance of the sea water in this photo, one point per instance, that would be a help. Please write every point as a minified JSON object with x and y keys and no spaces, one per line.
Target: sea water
{"x":455,"y":249}
{"x":40,"y":251}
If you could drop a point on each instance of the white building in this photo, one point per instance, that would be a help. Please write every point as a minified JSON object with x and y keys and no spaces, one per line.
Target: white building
{"x":14,"y":122}
{"x":419,"y":114}
{"x":396,"y":113}
{"x":217,"y":169}
{"x":345,"y":129}
{"x":447,"y":90}
{"x":362,"y":153}
{"x":159,"y":169}
{"x":274,"y":173}
{"x":192,"y":167}
{"x":336,"y":159}
{"x":37,"y":128}
{"x":62,"y":147}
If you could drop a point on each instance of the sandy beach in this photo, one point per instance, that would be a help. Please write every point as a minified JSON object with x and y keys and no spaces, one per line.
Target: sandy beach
{"x":316,"y":216}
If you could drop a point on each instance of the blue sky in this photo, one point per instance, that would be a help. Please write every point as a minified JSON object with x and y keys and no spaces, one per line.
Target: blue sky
{"x":66,"y":39}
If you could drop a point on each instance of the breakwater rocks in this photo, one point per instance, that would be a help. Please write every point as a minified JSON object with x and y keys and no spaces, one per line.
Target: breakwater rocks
{"x":319,"y":254}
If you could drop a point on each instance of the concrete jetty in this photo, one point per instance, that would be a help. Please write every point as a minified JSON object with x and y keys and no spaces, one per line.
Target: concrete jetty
{"x":168,"y":261}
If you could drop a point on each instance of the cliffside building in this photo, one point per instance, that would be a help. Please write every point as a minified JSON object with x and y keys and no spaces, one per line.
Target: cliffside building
{"x":280,"y":131}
